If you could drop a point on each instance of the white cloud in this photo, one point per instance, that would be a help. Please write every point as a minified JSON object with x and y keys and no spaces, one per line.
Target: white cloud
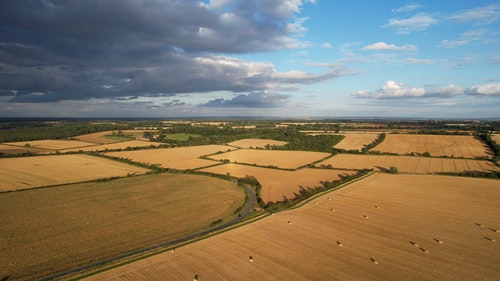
{"x":418,"y":61}
{"x":396,"y":90}
{"x":382,"y":46}
{"x":465,"y":38}
{"x":326,"y":45}
{"x":481,"y":15}
{"x":416,"y":23}
{"x":407,"y":8}
{"x":492,"y":89}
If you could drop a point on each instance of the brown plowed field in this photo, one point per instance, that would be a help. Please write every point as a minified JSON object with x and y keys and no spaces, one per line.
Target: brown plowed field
{"x":30,"y":172}
{"x":117,"y":145}
{"x":302,"y":244}
{"x":53,"y":144}
{"x":356,"y":141}
{"x":52,"y":229}
{"x":176,"y":158}
{"x":278,"y":183}
{"x":279,"y":158}
{"x":409,"y":164}
{"x":436,"y":145}
{"x":256,"y":143}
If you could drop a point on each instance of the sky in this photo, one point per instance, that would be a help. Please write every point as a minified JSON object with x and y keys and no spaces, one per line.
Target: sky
{"x":275,"y":58}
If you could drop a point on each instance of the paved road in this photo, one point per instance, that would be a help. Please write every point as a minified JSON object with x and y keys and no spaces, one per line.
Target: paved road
{"x":248,"y":208}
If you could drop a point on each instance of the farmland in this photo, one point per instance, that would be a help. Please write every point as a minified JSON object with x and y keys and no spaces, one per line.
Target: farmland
{"x":176,"y":158}
{"x":436,"y":145}
{"x":52,"y":144}
{"x":278,"y":183}
{"x":256,"y":143}
{"x":384,"y":227}
{"x":31,"y":172}
{"x":281,"y":159}
{"x":409,"y":164}
{"x":356,"y":141}
{"x":51,"y":229}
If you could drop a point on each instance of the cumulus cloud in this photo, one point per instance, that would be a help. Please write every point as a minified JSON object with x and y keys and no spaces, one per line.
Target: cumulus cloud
{"x":418,"y":22}
{"x":396,"y":90}
{"x":382,"y":46}
{"x":252,"y":100}
{"x":487,"y":90}
{"x":77,"y":50}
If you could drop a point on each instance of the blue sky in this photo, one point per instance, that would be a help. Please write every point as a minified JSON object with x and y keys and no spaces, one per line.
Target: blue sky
{"x":287,"y":58}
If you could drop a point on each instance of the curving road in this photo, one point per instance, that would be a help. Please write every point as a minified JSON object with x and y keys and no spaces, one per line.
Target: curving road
{"x":251,"y":201}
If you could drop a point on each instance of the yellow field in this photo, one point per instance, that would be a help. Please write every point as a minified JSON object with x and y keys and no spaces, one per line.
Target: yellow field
{"x":278,"y":183}
{"x":117,"y":145}
{"x":451,"y":219}
{"x":177,"y":158}
{"x":409,"y":164}
{"x":278,"y":158}
{"x":53,"y":144}
{"x":52,"y":229}
{"x":496,"y":138}
{"x":30,"y":172}
{"x":97,"y":138}
{"x":256,"y":143}
{"x":12,"y":149}
{"x":436,"y":145}
{"x":356,"y":141}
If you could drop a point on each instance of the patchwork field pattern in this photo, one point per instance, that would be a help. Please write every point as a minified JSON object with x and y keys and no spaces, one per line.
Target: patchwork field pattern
{"x":30,"y":172}
{"x":384,"y":227}
{"x":115,"y":146}
{"x":256,"y":143}
{"x":177,"y":158}
{"x":356,"y":141}
{"x":278,"y":158}
{"x":436,"y":145}
{"x":97,"y":138}
{"x":409,"y":164}
{"x":53,"y":144}
{"x":278,"y":183}
{"x":12,"y":149}
{"x":52,"y":229}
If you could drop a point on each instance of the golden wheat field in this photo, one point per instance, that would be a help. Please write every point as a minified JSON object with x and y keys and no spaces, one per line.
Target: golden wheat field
{"x":177,"y":158}
{"x":97,"y":138}
{"x":286,"y":159}
{"x":496,"y":138}
{"x":278,"y":183}
{"x":13,"y":149}
{"x":36,"y":171}
{"x":52,"y":229}
{"x":115,"y":146}
{"x":53,"y":144}
{"x":384,"y":227}
{"x":409,"y":164}
{"x":356,"y":141}
{"x":436,"y":145}
{"x":256,"y":143}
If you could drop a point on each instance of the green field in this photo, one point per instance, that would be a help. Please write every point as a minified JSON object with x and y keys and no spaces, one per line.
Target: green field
{"x":181,"y":136}
{"x":62,"y":227}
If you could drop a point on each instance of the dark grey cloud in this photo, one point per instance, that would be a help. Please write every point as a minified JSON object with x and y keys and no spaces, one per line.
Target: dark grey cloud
{"x":75,"y":50}
{"x":251,"y":100}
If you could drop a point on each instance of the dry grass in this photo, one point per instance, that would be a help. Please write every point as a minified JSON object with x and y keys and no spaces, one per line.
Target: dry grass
{"x":278,"y":158}
{"x":256,"y":143}
{"x":176,"y":158}
{"x":412,"y":209}
{"x":53,"y":144}
{"x":30,"y":172}
{"x":12,"y":149}
{"x":52,"y":229}
{"x":496,"y":138}
{"x":436,"y":145}
{"x":278,"y":183}
{"x":409,"y":164}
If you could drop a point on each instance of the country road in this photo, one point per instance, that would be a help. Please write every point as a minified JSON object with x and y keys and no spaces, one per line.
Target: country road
{"x":251,"y":201}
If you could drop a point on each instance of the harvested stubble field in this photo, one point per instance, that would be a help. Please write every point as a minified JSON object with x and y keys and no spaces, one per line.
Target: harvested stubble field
{"x":256,"y":143}
{"x":115,"y":146}
{"x":12,"y":149}
{"x":36,"y":171}
{"x":66,"y":226}
{"x":176,"y":158}
{"x":496,"y":138}
{"x":97,"y":138}
{"x":436,"y":145}
{"x":409,"y":164}
{"x":285,"y":159}
{"x":356,"y":141}
{"x":278,"y":183}
{"x":53,"y":144}
{"x":371,"y":235}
